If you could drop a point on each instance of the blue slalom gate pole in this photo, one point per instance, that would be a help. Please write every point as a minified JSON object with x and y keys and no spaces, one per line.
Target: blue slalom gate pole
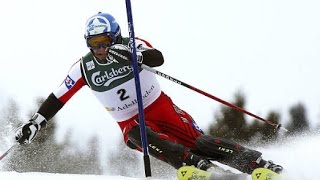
{"x":134,"y":62}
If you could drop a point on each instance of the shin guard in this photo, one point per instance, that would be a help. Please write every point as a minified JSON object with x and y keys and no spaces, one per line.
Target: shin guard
{"x":227,"y":152}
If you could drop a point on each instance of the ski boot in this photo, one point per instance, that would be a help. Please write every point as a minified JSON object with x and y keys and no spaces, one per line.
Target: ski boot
{"x":205,"y":165}
{"x":269,"y":165}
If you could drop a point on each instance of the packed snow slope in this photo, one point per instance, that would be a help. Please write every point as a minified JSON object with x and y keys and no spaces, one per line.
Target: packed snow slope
{"x":299,"y":156}
{"x":47,"y":176}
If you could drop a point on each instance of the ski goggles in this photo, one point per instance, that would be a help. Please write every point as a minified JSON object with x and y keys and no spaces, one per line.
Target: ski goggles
{"x":98,"y":41}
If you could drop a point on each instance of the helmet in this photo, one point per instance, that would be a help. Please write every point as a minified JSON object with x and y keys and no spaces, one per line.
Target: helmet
{"x":103,"y":24}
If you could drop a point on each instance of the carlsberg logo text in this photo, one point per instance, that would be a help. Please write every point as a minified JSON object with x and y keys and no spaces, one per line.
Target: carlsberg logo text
{"x":107,"y":77}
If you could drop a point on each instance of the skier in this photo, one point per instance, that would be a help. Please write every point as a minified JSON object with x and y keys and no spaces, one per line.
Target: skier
{"x":173,"y":136}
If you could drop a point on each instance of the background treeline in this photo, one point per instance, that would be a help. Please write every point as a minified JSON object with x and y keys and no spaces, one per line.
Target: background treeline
{"x":46,"y":155}
{"x":233,"y":124}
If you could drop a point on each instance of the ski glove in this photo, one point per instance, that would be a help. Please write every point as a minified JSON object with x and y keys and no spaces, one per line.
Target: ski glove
{"x":27,"y":132}
{"x":120,"y":53}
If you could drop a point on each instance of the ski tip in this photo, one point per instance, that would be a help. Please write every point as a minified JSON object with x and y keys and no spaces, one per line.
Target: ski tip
{"x":264,"y":173}
{"x":190,"y":172}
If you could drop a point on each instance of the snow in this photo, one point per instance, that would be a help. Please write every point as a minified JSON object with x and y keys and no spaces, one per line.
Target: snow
{"x":299,"y":156}
{"x":48,"y":176}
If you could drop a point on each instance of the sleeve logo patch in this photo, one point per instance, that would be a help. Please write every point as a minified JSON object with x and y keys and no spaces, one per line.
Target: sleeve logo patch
{"x":90,"y":65}
{"x":69,"y":82}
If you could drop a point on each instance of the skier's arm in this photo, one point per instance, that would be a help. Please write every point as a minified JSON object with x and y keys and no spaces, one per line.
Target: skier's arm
{"x":50,"y":106}
{"x":54,"y":102}
{"x":71,"y":85}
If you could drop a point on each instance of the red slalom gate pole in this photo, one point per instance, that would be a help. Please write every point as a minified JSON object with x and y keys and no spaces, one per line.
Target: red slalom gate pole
{"x":276,"y":126}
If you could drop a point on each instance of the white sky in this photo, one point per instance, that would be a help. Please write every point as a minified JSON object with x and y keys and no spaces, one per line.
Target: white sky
{"x":268,"y":49}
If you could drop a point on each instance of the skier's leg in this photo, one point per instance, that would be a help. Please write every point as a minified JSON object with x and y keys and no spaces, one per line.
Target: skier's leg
{"x":232,"y":154}
{"x":161,"y":147}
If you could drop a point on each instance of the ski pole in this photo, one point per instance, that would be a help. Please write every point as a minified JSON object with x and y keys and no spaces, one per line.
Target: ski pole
{"x":134,"y":63}
{"x":8,"y":151}
{"x":276,"y":126}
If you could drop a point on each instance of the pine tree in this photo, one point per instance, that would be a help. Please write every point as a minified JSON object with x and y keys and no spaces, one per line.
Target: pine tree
{"x":268,"y":132}
{"x":231,"y":123}
{"x":298,"y":120}
{"x":262,"y":132}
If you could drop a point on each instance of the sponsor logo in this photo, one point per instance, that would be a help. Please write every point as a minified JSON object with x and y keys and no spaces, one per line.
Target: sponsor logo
{"x":135,"y":101}
{"x":107,"y":77}
{"x":90,"y":65}
{"x":227,"y":150}
{"x":69,"y":82}
{"x":115,"y":53}
{"x":183,"y":173}
{"x":98,"y":25}
{"x":155,"y":148}
{"x":258,"y":175}
{"x":168,"y":77}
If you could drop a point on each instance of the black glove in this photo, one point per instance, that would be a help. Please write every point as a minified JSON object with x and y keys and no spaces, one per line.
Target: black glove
{"x":27,"y":132}
{"x":120,"y":53}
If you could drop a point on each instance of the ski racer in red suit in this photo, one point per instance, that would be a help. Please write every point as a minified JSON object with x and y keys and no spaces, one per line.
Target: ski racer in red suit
{"x":172,"y":134}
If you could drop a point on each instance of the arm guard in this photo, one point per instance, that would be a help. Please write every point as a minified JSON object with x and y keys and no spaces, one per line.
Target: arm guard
{"x":50,"y":106}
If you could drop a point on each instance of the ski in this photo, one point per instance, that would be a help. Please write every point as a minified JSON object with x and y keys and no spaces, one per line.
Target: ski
{"x":265,"y":174}
{"x":192,"y":173}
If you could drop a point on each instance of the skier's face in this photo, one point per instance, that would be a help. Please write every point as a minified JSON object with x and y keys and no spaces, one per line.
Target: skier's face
{"x":99,"y":44}
{"x":100,"y":53}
